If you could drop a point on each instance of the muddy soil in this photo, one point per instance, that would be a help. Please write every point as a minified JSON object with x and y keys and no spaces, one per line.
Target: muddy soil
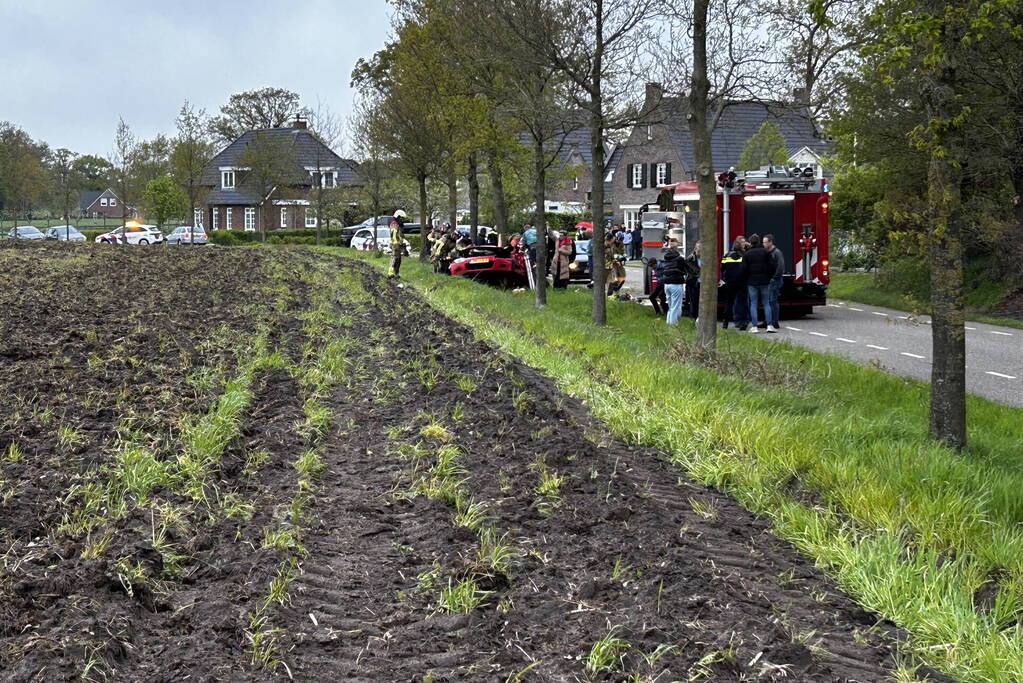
{"x":689,"y":584}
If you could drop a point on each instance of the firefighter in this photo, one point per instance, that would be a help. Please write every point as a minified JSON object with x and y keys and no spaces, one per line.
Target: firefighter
{"x":444,"y":248}
{"x":397,"y":243}
{"x":614,"y":268}
{"x":733,"y":287}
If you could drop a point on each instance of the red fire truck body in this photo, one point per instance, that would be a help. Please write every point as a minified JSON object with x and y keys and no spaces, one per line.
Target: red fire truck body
{"x":793,"y":209}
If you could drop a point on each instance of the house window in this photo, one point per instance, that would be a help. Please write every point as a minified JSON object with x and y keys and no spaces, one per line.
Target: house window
{"x":637,"y":176}
{"x":102,"y":201}
{"x":216,"y":217}
{"x":662,"y":174}
{"x":284,"y":216}
{"x":631,"y":218}
{"x":575,"y":183}
{"x":250,"y":219}
{"x":649,"y":133}
{"x":227,"y":180}
{"x":197,"y":218}
{"x":310,"y":218}
{"x":227,"y":215}
{"x":332,"y":179}
{"x":112,"y":202}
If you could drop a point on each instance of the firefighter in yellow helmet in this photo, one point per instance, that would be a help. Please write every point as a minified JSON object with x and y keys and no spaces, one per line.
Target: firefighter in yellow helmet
{"x":397,"y":242}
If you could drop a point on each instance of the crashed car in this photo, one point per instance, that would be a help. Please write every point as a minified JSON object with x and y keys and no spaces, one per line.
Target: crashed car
{"x":501,"y":266}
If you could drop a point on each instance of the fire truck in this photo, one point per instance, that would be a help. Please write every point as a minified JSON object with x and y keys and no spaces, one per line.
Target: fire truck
{"x":790,"y":203}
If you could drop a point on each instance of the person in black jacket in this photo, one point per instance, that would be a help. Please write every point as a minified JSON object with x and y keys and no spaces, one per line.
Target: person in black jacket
{"x":658,"y":297}
{"x":733,"y":287}
{"x":758,"y":266}
{"x":776,"y":282}
{"x":674,"y":280}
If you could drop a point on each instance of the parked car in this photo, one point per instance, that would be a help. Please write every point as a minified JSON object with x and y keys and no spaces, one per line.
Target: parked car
{"x":363,"y":240}
{"x":64,"y":233}
{"x":349,"y":232}
{"x":25,"y":232}
{"x":183,"y":234}
{"x":579,"y":270}
{"x":133,"y":233}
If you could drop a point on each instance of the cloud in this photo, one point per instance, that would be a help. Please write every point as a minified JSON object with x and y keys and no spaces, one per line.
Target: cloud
{"x":72,"y":67}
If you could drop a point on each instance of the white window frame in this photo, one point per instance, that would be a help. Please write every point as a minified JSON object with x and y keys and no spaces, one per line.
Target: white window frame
{"x":575,"y":183}
{"x":227,"y":180}
{"x":630,"y":217}
{"x":637,"y":176}
{"x":284,"y":216}
{"x":197,"y":218}
{"x":216,"y":218}
{"x":662,"y":173}
{"x":310,"y":218}
{"x":112,"y":202}
{"x":102,"y":201}
{"x":228,"y":215}
{"x":250,"y":219}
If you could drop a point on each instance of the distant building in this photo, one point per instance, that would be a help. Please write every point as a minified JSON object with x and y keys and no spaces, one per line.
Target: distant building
{"x":100,"y":204}
{"x":232,"y":204}
{"x":660,"y":150}
{"x":574,"y":164}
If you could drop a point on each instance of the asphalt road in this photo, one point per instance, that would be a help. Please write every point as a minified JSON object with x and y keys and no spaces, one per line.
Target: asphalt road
{"x":901,"y":344}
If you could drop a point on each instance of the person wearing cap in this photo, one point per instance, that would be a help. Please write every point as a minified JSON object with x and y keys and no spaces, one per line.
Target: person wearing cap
{"x":397,"y":242}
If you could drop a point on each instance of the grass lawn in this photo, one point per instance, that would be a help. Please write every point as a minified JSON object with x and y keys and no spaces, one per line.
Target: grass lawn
{"x":833,"y":453}
{"x":862,"y":287}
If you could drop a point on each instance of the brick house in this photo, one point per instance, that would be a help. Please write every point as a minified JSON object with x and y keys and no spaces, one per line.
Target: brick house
{"x":232,"y":204}
{"x":660,"y":150}
{"x":100,"y":204}
{"x":570,"y":191}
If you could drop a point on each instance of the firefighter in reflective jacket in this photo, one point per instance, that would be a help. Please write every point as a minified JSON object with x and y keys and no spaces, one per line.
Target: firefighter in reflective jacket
{"x":397,"y":242}
{"x":614,"y":266}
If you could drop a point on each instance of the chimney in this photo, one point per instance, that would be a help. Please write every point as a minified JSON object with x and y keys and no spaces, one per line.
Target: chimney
{"x":299,"y":123}
{"x":654,"y":95}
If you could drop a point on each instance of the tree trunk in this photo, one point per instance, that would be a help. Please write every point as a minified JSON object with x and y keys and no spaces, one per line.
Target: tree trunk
{"x":599,"y":310}
{"x":945,"y":250}
{"x":472,"y":176}
{"x":699,"y":130}
{"x":540,"y":221}
{"x":424,"y":221}
{"x":319,"y":208}
{"x":452,"y":196}
{"x":497,"y":189}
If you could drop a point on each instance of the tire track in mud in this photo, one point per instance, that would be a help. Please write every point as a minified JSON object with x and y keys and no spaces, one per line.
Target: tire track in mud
{"x":628,"y":548}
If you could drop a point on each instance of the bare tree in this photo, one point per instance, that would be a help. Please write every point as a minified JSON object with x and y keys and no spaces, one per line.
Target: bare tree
{"x":597,"y":45}
{"x":123,"y":159}
{"x":192,"y":150}
{"x":66,"y":183}
{"x":270,"y":164}
{"x":369,"y":151}
{"x":328,"y":128}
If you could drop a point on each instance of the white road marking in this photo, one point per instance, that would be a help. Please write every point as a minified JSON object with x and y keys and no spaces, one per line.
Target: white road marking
{"x":794,"y":329}
{"x":903,"y":317}
{"x":971,"y":328}
{"x":875,"y":346}
{"x":912,"y":355}
{"x":834,"y":305}
{"x":847,"y":341}
{"x":855,"y":309}
{"x":879,"y":313}
{"x":818,"y":334}
{"x":1004,"y":334}
{"x":998,"y":374}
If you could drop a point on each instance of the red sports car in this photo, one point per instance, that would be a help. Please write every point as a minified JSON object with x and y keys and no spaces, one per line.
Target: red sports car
{"x":500,"y":266}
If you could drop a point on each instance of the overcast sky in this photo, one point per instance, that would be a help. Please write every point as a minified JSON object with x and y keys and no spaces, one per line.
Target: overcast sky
{"x":71,"y":67}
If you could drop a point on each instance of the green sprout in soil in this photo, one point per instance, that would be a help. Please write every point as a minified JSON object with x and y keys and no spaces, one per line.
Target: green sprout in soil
{"x":69,"y":437}
{"x":702,"y":668}
{"x":462,"y":597}
{"x":435,"y":431}
{"x":495,"y":552}
{"x":310,"y":465}
{"x":549,"y":487}
{"x":521,"y":400}
{"x":707,"y":510}
{"x":281,"y":537}
{"x":263,"y":643}
{"x":466,"y":383}
{"x":472,"y":515}
{"x":13,"y":453}
{"x":606,"y":653}
{"x":618,"y":570}
{"x":458,"y":412}
{"x":278,"y":592}
{"x":129,"y":573}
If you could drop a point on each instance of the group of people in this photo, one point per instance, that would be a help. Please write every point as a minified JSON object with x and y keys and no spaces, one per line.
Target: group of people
{"x":445,"y":244}
{"x":751,"y":278}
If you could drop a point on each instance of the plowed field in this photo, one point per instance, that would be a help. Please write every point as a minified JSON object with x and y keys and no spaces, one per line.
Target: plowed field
{"x":238,"y":464}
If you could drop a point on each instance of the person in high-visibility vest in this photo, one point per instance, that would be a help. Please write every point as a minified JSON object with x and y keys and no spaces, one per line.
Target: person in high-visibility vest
{"x":733,"y":287}
{"x":397,"y":242}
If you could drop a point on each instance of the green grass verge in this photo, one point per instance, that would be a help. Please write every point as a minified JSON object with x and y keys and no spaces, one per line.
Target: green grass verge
{"x":833,"y":453}
{"x":863,"y":288}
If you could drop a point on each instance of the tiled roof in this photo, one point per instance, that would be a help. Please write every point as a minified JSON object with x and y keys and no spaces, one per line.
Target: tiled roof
{"x":741,"y":120}
{"x":307,"y":150}
{"x":89,"y":197}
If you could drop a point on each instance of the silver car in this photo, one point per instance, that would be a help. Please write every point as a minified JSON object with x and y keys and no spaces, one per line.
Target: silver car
{"x":64,"y":233}
{"x":25,"y":232}
{"x":186,"y":234}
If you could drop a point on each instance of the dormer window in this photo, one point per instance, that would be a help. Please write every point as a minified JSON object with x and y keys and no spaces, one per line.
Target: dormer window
{"x":227,"y":180}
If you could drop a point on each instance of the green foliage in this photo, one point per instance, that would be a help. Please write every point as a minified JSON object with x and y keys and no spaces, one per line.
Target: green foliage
{"x":164,"y":199}
{"x":763,"y":148}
